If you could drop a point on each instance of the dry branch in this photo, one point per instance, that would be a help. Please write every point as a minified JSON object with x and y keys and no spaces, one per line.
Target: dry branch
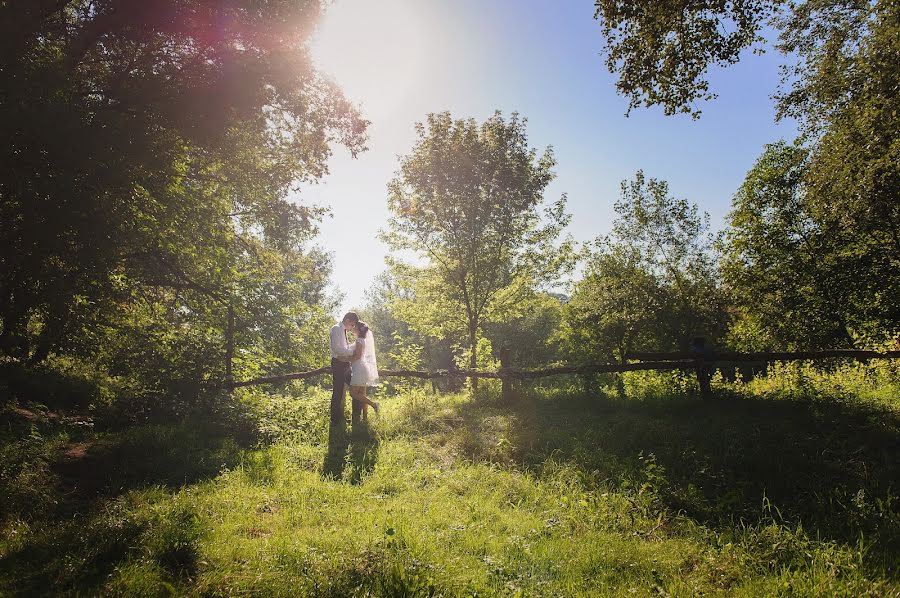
{"x":281,"y":378}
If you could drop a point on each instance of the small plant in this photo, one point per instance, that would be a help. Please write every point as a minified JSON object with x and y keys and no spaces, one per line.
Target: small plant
{"x":406,"y":356}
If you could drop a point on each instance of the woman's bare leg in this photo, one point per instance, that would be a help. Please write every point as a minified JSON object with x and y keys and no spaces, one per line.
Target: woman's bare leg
{"x":368,"y":402}
{"x":359,"y":393}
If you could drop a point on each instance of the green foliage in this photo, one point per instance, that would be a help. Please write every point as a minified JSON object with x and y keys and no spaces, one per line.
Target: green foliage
{"x":481,"y":356}
{"x":773,"y":260}
{"x":468,"y":199}
{"x":150,"y":151}
{"x":675,"y":242}
{"x":814,"y":251}
{"x":661,"y":51}
{"x":388,"y":302}
{"x":406,"y":356}
{"x":874,"y":383}
{"x":616,"y":308}
{"x":843,"y":93}
{"x":51,"y":385}
{"x":651,"y":285}
{"x":530,"y":330}
{"x":794,"y":280}
{"x":298,"y":413}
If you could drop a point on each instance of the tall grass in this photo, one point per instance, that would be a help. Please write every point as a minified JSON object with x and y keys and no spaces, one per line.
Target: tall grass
{"x":783,"y":485}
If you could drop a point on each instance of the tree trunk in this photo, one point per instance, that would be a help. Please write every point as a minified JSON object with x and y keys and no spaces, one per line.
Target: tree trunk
{"x":229,"y":345}
{"x":701,"y":350}
{"x":14,"y":335}
{"x":506,"y":391}
{"x":620,"y":383}
{"x":473,"y":356}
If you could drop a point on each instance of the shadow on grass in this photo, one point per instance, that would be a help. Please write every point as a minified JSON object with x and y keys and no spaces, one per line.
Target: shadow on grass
{"x":66,"y":490}
{"x":829,"y":464}
{"x":351,"y":455}
{"x":721,"y":458}
{"x":66,"y":557}
{"x":154,"y":455}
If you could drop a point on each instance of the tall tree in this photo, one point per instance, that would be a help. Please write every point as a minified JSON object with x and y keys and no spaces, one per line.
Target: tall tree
{"x":675,"y":245}
{"x":844,"y":91}
{"x":841,"y":84}
{"x":795,"y":280}
{"x":650,"y":285}
{"x":468,"y":198}
{"x":149,"y":150}
{"x":618,"y":306}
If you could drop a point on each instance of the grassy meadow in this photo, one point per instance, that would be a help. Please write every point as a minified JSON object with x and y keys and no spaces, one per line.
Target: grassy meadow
{"x":786,"y":484}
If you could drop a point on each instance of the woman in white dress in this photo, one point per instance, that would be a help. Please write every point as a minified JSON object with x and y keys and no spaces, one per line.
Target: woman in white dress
{"x":363,"y":367}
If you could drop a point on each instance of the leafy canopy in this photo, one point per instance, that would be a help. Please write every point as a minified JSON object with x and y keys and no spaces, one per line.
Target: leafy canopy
{"x":149,"y":151}
{"x":651,"y":285}
{"x":469,"y":200}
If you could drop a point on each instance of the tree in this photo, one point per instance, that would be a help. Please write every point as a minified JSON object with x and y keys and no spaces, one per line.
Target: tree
{"x":675,"y":245}
{"x":150,"y":147}
{"x":792,"y":276}
{"x":661,"y":51}
{"x":468,"y":199}
{"x":385,"y":302}
{"x":531,"y":330}
{"x":844,"y":91}
{"x":616,"y":308}
{"x":650,"y":285}
{"x":840,"y":82}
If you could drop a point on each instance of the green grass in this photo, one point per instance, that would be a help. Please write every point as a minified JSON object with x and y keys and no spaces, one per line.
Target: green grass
{"x":777,"y":487}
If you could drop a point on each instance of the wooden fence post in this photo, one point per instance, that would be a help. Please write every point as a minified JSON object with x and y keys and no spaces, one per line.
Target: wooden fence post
{"x":453,"y":380}
{"x":506,"y":393}
{"x":700,"y":351}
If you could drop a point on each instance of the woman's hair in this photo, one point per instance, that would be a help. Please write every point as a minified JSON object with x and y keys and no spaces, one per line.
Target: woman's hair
{"x":362,"y":329}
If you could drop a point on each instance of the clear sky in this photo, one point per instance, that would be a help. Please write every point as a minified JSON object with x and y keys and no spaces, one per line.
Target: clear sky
{"x":401,"y":59}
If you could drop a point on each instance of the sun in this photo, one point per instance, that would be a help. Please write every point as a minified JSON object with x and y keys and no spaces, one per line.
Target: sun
{"x":376,"y":51}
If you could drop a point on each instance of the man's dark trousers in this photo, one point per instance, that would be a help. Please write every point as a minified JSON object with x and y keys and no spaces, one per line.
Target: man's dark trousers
{"x":340,"y":371}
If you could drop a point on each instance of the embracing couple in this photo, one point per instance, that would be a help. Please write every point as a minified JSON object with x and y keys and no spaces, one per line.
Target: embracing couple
{"x":354,"y":366}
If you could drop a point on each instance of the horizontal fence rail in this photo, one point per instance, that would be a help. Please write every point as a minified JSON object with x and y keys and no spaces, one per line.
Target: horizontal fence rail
{"x":513,"y":373}
{"x":699,"y":361}
{"x":764,"y":356}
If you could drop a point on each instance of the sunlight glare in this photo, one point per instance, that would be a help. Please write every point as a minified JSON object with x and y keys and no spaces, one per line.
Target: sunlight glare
{"x":374,"y":50}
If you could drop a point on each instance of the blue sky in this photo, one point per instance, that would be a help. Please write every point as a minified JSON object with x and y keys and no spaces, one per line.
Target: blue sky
{"x":401,"y":59}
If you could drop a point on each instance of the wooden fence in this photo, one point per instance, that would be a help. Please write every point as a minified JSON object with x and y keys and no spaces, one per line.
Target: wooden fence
{"x":700,"y":360}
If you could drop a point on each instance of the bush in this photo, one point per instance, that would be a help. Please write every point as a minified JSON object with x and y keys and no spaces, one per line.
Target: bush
{"x":59,"y":388}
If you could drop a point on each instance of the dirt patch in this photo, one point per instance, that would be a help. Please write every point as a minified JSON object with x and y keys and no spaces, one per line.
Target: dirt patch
{"x":26,"y":414}
{"x":76,"y":451}
{"x":34,"y":416}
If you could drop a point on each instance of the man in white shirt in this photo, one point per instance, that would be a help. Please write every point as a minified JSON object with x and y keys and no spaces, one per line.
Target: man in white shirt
{"x":340,"y":365}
